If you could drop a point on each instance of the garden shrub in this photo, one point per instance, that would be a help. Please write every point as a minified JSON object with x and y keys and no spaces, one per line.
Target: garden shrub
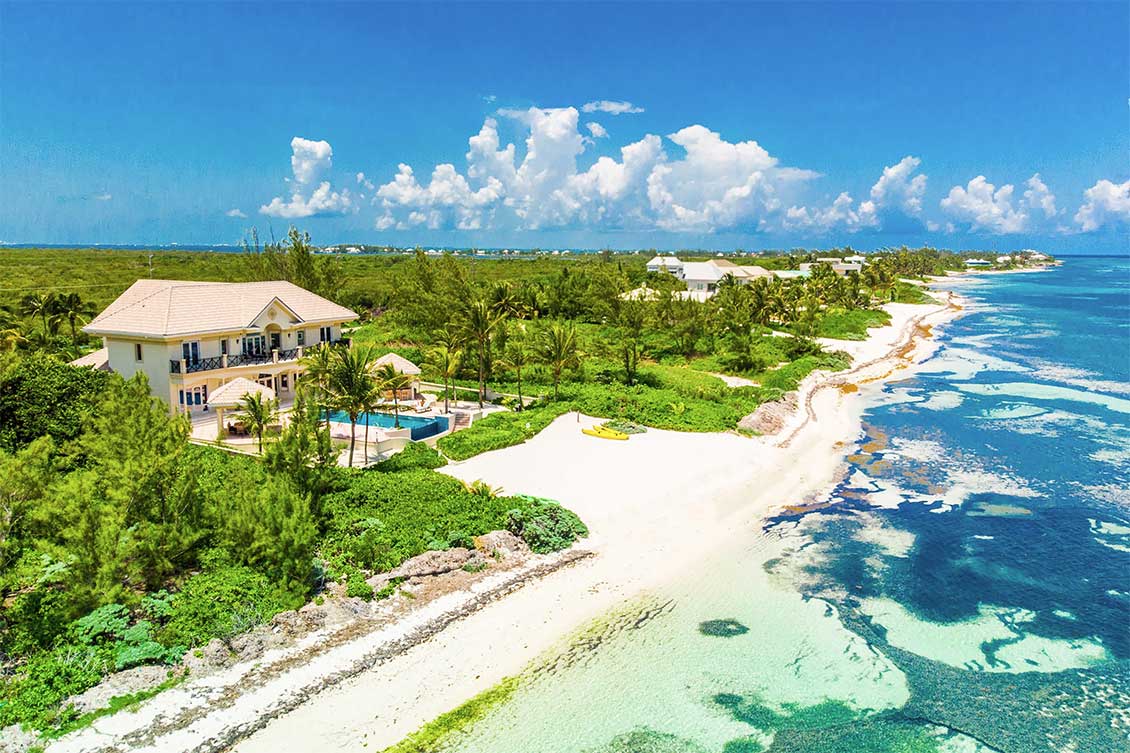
{"x":414,"y":455}
{"x":545,"y":526}
{"x":500,"y":430}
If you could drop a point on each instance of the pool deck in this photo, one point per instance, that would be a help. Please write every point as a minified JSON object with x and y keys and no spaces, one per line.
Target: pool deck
{"x":382,"y":441}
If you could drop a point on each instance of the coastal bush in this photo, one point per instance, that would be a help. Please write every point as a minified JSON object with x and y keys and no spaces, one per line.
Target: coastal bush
{"x":32,"y":695}
{"x":271,"y":528}
{"x":905,"y":292}
{"x":851,"y":325}
{"x":545,"y":526}
{"x":788,"y":378}
{"x":89,"y":647}
{"x":221,"y":602}
{"x":383,"y":519}
{"x":40,"y":395}
{"x":356,"y":586}
{"x":414,"y":455}
{"x":500,"y":430}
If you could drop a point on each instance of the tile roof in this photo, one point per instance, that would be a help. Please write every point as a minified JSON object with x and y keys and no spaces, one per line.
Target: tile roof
{"x":400,"y":363}
{"x":165,"y":308}
{"x":231,"y":395}
{"x":99,"y":360}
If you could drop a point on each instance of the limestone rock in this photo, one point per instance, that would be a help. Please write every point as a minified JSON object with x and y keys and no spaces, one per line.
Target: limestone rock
{"x":126,"y":682}
{"x":503,"y":542}
{"x":770,"y":418}
{"x":433,"y":563}
{"x":299,"y":622}
{"x":14,"y":739}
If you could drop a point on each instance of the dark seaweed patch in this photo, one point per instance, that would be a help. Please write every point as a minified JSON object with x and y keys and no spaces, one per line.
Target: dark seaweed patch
{"x":728,"y":628}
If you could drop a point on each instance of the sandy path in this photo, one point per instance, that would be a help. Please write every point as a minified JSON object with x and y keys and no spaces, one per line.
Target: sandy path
{"x":654,"y":504}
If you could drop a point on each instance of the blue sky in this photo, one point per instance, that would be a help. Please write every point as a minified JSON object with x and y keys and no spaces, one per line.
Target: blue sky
{"x":724,"y":126}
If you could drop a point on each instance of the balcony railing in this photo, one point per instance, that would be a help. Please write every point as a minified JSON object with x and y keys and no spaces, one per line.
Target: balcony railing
{"x":184,"y":366}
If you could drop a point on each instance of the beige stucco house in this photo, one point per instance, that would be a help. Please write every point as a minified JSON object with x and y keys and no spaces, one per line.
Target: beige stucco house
{"x":190,"y":338}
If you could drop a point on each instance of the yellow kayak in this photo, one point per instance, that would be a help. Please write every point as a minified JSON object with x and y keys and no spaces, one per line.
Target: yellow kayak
{"x":604,"y":433}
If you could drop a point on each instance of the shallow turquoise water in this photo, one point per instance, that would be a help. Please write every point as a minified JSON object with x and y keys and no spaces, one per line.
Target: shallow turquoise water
{"x":967,"y":588}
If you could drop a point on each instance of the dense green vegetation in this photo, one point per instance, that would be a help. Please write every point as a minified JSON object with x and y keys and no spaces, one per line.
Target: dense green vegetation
{"x":121,"y":544}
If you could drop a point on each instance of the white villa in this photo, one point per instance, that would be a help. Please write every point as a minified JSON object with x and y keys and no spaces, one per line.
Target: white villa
{"x":191,"y":338}
{"x":702,"y":277}
{"x":670,"y":264}
{"x":840,"y":267}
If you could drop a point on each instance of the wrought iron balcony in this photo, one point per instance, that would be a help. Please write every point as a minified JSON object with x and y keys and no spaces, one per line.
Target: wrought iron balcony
{"x":183,"y":366}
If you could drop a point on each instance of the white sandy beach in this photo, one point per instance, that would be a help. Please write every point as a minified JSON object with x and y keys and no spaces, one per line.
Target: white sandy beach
{"x":654,"y":505}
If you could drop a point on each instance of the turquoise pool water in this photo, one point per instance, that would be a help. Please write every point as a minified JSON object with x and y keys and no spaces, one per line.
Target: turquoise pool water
{"x":966,"y":589}
{"x":421,"y":427}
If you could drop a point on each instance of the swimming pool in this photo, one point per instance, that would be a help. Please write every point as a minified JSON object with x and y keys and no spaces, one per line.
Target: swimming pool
{"x":421,"y":427}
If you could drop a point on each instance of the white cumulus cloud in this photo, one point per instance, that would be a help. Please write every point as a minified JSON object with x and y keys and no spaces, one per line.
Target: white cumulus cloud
{"x":894,"y":203}
{"x":324,"y":201}
{"x":985,"y":207}
{"x":611,"y":107}
{"x":597,"y":130}
{"x":235,"y":213}
{"x":1105,"y":203}
{"x":714,"y":184}
{"x":309,"y":161}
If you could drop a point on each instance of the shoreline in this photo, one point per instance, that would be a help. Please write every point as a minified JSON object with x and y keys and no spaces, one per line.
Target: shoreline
{"x":382,"y":685}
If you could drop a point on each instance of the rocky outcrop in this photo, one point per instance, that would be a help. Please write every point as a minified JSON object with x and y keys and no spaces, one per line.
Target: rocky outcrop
{"x":501,"y":543}
{"x":770,"y":418}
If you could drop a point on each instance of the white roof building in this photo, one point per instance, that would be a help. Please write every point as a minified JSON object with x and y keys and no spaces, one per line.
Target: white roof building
{"x":670,"y":264}
{"x":702,"y":275}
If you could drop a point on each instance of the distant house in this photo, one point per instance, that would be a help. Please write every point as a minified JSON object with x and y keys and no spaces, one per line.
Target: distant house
{"x":1004,"y":259}
{"x":856,"y":259}
{"x":670,"y":264}
{"x":978,"y":263}
{"x":191,"y":338}
{"x":702,"y":275}
{"x":742,"y":273}
{"x":839,"y":267}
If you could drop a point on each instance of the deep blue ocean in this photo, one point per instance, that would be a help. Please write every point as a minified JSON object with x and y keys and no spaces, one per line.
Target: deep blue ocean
{"x":1003,"y":468}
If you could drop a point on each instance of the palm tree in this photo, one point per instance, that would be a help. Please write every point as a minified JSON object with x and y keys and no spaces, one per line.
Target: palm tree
{"x":557,"y":348}
{"x":318,"y":364}
{"x":259,"y":413}
{"x":388,"y":378}
{"x":39,"y":304}
{"x":480,"y":322}
{"x":517,"y":357}
{"x":446,"y":359}
{"x":10,"y":335}
{"x":72,"y":309}
{"x":350,"y":387}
